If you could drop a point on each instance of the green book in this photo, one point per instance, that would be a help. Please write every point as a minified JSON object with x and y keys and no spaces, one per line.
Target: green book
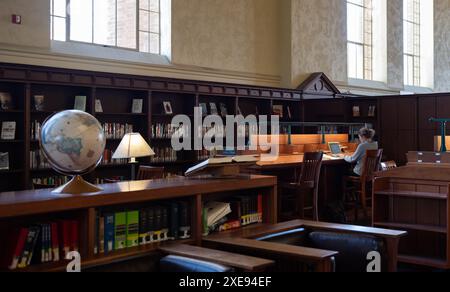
{"x":132,"y":228}
{"x":120,"y":231}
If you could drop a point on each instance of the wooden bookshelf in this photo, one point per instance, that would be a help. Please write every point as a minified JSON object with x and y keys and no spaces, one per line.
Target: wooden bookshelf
{"x":19,"y":209}
{"x":415,"y":198}
{"x":116,"y":93}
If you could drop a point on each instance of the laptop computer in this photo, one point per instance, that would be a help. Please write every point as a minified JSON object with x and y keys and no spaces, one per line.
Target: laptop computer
{"x":335,"y":148}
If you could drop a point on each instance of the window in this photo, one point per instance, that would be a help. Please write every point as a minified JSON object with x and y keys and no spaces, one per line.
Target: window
{"x":411,"y":41}
{"x":127,"y":24}
{"x":360,"y":39}
{"x":418,"y":30}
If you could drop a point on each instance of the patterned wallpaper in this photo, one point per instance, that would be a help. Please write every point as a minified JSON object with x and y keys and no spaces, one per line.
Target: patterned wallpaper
{"x":442,"y":45}
{"x":395,"y":44}
{"x":319,"y":39}
{"x":237,"y":35}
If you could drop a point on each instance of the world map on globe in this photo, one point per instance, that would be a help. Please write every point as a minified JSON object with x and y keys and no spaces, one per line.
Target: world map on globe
{"x":73,"y":142}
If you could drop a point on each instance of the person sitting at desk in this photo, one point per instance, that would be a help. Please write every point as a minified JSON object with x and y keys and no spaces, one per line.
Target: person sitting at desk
{"x":366,"y":143}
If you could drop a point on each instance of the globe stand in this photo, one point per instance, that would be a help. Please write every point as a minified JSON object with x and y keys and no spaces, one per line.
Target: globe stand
{"x":77,"y":186}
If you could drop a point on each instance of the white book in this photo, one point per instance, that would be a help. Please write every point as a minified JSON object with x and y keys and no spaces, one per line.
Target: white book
{"x":8,"y":130}
{"x":80,"y":103}
{"x":216,"y":211}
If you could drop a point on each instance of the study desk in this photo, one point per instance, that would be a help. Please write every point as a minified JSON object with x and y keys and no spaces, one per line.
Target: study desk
{"x":286,"y":168}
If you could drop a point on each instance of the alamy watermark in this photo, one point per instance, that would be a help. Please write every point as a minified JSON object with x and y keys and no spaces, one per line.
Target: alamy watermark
{"x":254,"y":133}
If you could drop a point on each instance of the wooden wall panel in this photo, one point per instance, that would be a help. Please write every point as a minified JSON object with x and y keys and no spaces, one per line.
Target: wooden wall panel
{"x":407,"y":113}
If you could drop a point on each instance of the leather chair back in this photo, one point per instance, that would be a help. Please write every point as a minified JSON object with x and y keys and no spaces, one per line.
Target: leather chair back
{"x":177,"y":264}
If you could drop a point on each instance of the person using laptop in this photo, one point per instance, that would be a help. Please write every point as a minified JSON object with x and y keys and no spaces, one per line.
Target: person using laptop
{"x":366,"y":143}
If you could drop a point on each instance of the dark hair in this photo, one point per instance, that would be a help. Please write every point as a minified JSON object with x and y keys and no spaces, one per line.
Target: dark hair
{"x":367,"y":133}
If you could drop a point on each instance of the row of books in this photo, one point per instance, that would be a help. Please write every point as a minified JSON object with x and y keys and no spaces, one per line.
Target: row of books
{"x":116,"y":130}
{"x":238,"y":212}
{"x":44,"y":243}
{"x":127,"y":229}
{"x":35,"y":130}
{"x":52,"y":181}
{"x":164,"y":154}
{"x":38,"y":160}
{"x":164,"y":131}
{"x":107,"y":158}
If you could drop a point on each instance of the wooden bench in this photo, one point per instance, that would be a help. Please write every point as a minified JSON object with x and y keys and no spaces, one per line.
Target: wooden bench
{"x":241,"y":262}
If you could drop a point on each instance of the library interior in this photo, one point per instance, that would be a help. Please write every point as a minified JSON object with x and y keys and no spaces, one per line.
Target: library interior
{"x":224,"y":136}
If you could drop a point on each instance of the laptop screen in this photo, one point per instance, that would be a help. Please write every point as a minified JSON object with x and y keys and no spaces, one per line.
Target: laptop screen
{"x":335,"y":148}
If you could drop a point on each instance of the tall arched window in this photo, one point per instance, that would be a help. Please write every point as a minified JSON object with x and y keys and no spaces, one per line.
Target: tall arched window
{"x":418,"y":49}
{"x":128,"y":24}
{"x":367,"y":39}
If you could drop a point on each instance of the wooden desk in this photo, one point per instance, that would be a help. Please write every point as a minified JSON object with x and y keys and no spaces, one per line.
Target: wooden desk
{"x":19,"y":209}
{"x":331,"y":177}
{"x":244,"y":241}
{"x":416,"y":198}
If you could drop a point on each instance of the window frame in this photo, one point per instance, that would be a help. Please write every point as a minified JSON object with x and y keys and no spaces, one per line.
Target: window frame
{"x":366,"y":45}
{"x":67,"y":18}
{"x":416,"y":55}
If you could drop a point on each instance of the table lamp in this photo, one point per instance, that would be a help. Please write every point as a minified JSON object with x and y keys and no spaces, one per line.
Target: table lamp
{"x":131,"y":147}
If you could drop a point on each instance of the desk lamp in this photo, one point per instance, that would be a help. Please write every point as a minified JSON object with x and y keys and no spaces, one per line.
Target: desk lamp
{"x":131,"y":147}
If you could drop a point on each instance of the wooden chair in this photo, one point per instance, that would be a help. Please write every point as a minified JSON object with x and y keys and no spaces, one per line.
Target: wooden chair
{"x":149,"y":172}
{"x":358,"y":189}
{"x":388,"y":165}
{"x":307,"y":182}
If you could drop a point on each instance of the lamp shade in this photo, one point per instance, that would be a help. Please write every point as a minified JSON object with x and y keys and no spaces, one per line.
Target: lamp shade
{"x":133,"y":146}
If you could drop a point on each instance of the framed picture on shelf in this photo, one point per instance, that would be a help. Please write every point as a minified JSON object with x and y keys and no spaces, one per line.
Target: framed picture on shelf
{"x":4,"y":161}
{"x":278,"y":110}
{"x":5,"y":101}
{"x":39,"y":102}
{"x":98,"y":106}
{"x":356,"y":111}
{"x":372,"y":110}
{"x":80,"y":103}
{"x":223,"y":110}
{"x":214,"y":110}
{"x":168,"y":108}
{"x":8,"y":130}
{"x":137,"y":107}
{"x":204,"y":108}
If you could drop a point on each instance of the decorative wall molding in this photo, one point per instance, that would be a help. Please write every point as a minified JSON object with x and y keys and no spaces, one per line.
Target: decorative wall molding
{"x":42,"y":57}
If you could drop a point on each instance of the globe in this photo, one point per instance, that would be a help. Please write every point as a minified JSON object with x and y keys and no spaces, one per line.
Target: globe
{"x":73,"y":142}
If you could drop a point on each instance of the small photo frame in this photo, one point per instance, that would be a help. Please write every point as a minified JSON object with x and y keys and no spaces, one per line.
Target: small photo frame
{"x":39,"y":102}
{"x":5,"y":101}
{"x":168,"y":108}
{"x":137,"y":106}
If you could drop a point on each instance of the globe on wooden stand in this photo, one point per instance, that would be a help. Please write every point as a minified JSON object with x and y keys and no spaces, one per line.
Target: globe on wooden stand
{"x":73,"y":143}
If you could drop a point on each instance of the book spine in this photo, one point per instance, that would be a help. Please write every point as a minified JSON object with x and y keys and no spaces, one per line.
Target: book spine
{"x":22,"y":239}
{"x":120,"y":231}
{"x":109,"y":233}
{"x":132,"y":229}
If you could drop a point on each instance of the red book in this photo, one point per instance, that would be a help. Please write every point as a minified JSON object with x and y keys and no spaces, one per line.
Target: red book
{"x":64,"y":233}
{"x":55,"y":242}
{"x":19,"y":248}
{"x":74,"y":242}
{"x":260,"y":204}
